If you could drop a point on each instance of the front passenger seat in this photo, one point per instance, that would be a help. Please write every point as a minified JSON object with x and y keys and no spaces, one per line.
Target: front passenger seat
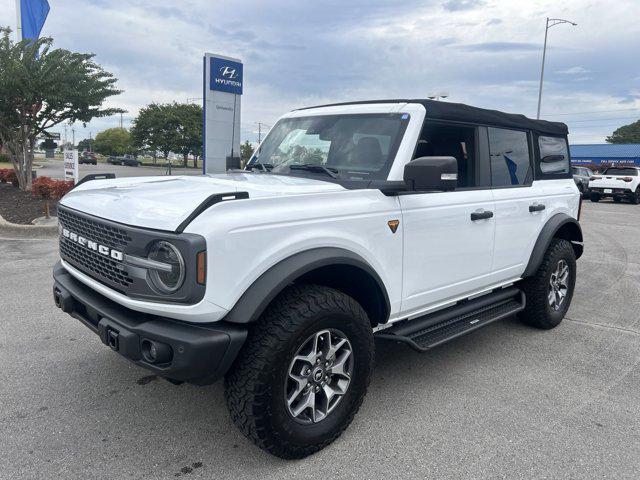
{"x":367,"y":153}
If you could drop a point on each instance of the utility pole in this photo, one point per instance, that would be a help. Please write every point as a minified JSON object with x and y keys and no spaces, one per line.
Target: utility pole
{"x":90,"y":141}
{"x":121,"y":120}
{"x":260,"y":124}
{"x":73,"y":137}
{"x":551,"y":22}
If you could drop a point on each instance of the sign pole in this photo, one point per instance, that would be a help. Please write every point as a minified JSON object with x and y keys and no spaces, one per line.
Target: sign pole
{"x":19,"y":22}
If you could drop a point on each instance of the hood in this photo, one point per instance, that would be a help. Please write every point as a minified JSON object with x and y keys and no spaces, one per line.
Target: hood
{"x":163,"y":203}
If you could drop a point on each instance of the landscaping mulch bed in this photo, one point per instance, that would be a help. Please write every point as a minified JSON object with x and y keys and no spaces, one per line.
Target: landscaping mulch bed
{"x":22,"y":207}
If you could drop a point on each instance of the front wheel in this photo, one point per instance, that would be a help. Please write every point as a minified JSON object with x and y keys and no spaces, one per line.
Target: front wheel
{"x":635,"y":197}
{"x":303,"y":371}
{"x":550,"y":290}
{"x":595,"y":197}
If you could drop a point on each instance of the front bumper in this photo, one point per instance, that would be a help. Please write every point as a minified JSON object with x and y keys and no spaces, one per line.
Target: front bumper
{"x":198,"y":354}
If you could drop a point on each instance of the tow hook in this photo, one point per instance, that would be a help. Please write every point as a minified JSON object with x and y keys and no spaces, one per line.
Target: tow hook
{"x":112,"y":339}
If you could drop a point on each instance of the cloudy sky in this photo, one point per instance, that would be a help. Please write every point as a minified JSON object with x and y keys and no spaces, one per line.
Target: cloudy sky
{"x":297,"y":53}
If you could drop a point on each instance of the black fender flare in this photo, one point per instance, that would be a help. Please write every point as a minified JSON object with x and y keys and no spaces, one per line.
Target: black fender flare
{"x":560,"y":225}
{"x":267,"y":286}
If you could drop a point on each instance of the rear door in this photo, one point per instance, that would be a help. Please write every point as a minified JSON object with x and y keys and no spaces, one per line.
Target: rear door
{"x":519,"y":202}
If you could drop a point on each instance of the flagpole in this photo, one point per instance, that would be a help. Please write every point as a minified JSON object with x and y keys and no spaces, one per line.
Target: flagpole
{"x":19,"y":20}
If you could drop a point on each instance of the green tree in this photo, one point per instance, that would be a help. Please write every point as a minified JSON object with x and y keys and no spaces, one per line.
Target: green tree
{"x":85,"y":144}
{"x":155,"y":129}
{"x":41,"y":87}
{"x":626,"y":134}
{"x":113,"y":141}
{"x":188,"y":121}
{"x":246,"y":150}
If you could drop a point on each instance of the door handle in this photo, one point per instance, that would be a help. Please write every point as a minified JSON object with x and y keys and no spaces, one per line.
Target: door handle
{"x":536,"y":208}
{"x":475,"y":216}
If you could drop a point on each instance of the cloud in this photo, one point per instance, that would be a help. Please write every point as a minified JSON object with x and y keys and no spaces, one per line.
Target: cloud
{"x":501,"y":46}
{"x":573,"y":71}
{"x":494,"y":21}
{"x":460,"y":5}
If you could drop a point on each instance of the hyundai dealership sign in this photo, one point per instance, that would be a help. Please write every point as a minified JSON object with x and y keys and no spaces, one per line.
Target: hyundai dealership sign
{"x":226,"y":76}
{"x":222,"y":85}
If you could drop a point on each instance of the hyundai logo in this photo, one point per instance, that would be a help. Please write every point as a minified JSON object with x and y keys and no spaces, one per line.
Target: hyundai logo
{"x":228,"y":72}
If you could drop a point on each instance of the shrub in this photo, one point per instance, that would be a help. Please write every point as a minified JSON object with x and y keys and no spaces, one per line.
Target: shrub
{"x":49,"y":188}
{"x":8,"y":175}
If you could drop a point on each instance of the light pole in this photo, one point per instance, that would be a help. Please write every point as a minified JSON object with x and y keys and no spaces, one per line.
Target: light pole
{"x":551,"y":22}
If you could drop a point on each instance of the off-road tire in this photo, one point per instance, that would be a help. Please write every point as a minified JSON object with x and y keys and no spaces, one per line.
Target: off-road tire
{"x":595,"y":197}
{"x":538,"y":313}
{"x":254,"y":387}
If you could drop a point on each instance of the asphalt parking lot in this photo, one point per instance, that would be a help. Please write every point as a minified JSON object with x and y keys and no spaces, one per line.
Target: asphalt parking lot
{"x":504,"y":402}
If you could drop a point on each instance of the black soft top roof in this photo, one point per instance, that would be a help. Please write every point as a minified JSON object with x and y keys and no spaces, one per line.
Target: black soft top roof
{"x":459,"y":112}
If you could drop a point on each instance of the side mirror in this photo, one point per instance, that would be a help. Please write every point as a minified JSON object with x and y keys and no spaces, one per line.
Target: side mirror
{"x":431,"y":173}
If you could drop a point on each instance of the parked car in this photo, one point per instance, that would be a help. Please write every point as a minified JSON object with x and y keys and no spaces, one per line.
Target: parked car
{"x":127,"y":159}
{"x":618,"y":183}
{"x":88,"y":157}
{"x":581,"y":176}
{"x":410,"y":221}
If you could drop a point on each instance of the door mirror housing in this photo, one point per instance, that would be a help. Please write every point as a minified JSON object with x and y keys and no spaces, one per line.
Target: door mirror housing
{"x":431,"y":173}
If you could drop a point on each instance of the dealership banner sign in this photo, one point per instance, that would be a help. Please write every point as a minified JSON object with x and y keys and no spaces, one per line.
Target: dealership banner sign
{"x":226,"y":75}
{"x":71,"y":165}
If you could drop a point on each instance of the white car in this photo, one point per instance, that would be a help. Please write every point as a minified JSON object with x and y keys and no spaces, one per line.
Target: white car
{"x":618,"y":183}
{"x":410,"y":221}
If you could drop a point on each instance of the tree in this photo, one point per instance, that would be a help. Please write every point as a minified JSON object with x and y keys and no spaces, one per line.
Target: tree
{"x":155,"y":129}
{"x":188,"y":121}
{"x":113,"y":141}
{"x":626,"y":134}
{"x":41,"y":87}
{"x":85,"y":144}
{"x":171,"y":127}
{"x":246,"y":150}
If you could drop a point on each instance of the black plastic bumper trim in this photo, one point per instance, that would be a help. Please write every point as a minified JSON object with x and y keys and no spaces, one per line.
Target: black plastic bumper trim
{"x":201,"y":353}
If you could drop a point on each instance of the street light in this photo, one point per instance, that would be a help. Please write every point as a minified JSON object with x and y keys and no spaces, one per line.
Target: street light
{"x":551,"y":22}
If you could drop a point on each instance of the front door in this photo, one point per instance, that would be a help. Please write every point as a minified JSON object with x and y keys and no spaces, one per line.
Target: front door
{"x":448,"y":246}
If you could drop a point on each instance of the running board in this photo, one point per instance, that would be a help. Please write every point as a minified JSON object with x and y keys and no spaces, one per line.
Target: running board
{"x":424,"y":333}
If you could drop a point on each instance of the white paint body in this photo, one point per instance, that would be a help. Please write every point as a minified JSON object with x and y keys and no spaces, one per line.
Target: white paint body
{"x":437,"y":256}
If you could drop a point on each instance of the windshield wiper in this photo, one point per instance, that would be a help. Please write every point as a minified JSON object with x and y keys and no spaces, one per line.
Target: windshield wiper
{"x":265,"y":167}
{"x":310,"y":167}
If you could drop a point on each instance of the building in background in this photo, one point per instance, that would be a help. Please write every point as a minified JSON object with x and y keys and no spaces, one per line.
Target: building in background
{"x":605,"y":154}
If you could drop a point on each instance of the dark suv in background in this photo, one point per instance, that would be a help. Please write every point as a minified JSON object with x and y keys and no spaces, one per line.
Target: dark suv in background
{"x":581,"y":176}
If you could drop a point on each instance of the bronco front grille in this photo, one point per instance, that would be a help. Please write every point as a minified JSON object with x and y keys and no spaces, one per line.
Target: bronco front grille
{"x":89,"y":261}
{"x":107,"y":235}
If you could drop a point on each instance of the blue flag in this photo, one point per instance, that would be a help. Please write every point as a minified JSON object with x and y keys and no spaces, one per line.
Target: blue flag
{"x":33,"y":13}
{"x":513,"y":167}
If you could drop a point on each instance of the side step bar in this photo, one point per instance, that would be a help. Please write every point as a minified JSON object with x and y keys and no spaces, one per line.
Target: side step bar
{"x":424,"y":333}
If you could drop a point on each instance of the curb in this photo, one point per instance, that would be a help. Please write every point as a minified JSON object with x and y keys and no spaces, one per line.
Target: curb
{"x":45,"y":230}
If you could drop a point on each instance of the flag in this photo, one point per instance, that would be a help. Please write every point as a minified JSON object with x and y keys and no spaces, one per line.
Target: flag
{"x":33,"y":14}
{"x":513,"y":167}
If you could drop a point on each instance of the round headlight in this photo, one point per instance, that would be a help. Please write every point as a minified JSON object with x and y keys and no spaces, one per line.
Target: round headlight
{"x":167,"y":280}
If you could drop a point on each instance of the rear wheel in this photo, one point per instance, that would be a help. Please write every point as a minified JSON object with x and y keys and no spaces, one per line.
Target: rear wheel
{"x":550,"y":290}
{"x":635,"y":197}
{"x":617,"y":199}
{"x":303,"y":371}
{"x":595,"y":197}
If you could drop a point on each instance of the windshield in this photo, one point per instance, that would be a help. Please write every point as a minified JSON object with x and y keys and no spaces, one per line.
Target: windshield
{"x":359,"y":146}
{"x":632,"y":172}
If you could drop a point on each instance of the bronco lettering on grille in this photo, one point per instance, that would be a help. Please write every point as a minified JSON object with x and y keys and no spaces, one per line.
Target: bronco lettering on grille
{"x":91,"y":245}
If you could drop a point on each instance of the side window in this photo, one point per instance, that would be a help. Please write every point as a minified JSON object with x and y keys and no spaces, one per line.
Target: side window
{"x":510,"y":158}
{"x":554,"y":156}
{"x":458,"y":141}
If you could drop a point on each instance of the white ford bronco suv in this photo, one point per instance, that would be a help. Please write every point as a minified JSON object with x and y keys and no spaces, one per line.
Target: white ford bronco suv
{"x":410,"y":221}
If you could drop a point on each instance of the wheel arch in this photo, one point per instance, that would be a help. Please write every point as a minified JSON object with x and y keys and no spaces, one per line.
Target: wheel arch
{"x":328,"y":266}
{"x":562,"y":226}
